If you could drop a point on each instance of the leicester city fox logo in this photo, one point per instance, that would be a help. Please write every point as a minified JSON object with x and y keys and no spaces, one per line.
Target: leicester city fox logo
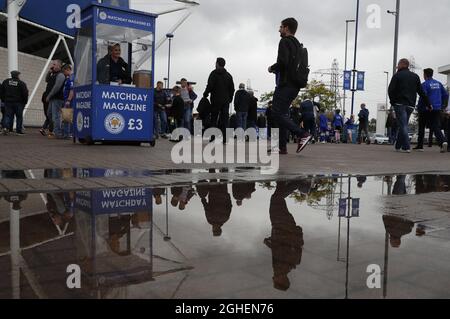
{"x":114,"y":123}
{"x":80,"y":122}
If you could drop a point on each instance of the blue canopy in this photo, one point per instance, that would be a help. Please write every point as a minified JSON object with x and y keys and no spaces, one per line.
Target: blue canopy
{"x":54,"y":14}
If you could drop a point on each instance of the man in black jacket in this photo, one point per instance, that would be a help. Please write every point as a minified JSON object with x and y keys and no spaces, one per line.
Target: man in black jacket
{"x":403,"y":90}
{"x":287,"y":89}
{"x":221,"y":87}
{"x":241,"y":105}
{"x":14,"y":93}
{"x":112,"y":68}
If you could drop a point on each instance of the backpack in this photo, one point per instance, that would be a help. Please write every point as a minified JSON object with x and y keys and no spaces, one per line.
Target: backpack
{"x":299,"y":65}
{"x":204,"y":107}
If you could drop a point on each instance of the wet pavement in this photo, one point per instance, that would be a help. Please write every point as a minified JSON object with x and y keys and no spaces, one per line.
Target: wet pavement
{"x":219,"y":237}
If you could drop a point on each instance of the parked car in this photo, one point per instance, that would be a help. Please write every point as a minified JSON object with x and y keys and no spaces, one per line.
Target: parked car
{"x":379,"y":139}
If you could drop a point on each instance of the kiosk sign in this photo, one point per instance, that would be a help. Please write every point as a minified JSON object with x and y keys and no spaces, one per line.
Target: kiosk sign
{"x":125,"y":113}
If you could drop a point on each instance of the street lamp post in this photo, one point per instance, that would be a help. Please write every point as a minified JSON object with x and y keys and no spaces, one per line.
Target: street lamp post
{"x":169,"y":37}
{"x":355,"y":56}
{"x":387,"y":88}
{"x":346,"y":50}
{"x":396,"y":13}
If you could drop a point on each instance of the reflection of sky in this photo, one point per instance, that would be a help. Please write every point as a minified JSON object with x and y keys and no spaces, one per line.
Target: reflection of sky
{"x":244,"y":233}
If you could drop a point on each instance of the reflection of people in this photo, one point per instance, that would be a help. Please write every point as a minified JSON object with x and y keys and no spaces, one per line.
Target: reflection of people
{"x":243,"y":191}
{"x":112,"y":68}
{"x":157,"y":193}
{"x":397,"y":227}
{"x":286,"y":241}
{"x":361,"y":181}
{"x":181,"y":196}
{"x":217,"y":206}
{"x":400,"y":185}
{"x":119,"y":226}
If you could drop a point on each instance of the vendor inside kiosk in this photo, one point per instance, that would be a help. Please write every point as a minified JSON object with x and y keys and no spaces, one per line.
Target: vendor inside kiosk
{"x":114,"y":76}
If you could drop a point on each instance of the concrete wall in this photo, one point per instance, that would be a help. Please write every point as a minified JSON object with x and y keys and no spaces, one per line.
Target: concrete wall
{"x":30,"y":67}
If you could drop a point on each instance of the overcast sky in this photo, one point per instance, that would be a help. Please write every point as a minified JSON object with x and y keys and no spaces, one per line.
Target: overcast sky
{"x":245,"y":33}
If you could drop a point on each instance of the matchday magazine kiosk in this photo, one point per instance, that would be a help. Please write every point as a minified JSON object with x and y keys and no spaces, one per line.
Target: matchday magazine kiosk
{"x":114,"y":76}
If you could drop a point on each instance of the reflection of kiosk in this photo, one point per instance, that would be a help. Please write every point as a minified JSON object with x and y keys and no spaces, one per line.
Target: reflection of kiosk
{"x":114,"y":80}
{"x":114,"y":238}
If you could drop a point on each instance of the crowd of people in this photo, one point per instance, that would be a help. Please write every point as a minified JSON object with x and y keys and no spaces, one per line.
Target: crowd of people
{"x":58,"y":95}
{"x":305,"y":123}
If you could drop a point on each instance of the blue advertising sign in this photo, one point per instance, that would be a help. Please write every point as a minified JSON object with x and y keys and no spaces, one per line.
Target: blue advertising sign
{"x":355,"y":207}
{"x":123,"y":114}
{"x":347,"y":80}
{"x":114,"y":201}
{"x":124,"y":19}
{"x":83,"y":108}
{"x":360,"y":80}
{"x":58,"y":15}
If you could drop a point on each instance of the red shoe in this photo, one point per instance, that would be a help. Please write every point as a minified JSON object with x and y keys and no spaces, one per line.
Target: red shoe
{"x":303,"y":143}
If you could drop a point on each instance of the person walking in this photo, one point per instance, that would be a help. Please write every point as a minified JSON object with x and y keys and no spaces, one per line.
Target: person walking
{"x":308,"y":109}
{"x":350,"y":124}
{"x":403,"y":90}
{"x":55,"y":98}
{"x":241,"y":105}
{"x":291,"y":72}
{"x":323,"y":127}
{"x":438,"y":98}
{"x":221,"y":87}
{"x":14,"y":93}
{"x":338,"y":124}
{"x":363,"y":117}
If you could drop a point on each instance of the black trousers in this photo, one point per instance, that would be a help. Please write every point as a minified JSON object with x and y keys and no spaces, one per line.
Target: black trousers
{"x":363,"y":127}
{"x":310,"y":126}
{"x":423,"y":122}
{"x":282,"y":100}
{"x":220,"y":118}
{"x":435,"y":126}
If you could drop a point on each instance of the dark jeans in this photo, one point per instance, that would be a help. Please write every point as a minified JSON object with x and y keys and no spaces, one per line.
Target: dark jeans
{"x":241,"y":119}
{"x":423,"y":121}
{"x":392,"y":134}
{"x":435,"y":126}
{"x":447,"y":130}
{"x":403,"y":113}
{"x":363,"y":127}
{"x":220,"y":118}
{"x":310,"y":126}
{"x":282,"y":100}
{"x":48,"y":124}
{"x":14,"y":109}
{"x":3,"y":110}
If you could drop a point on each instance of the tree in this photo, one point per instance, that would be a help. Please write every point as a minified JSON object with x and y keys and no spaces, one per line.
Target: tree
{"x":315,"y":90}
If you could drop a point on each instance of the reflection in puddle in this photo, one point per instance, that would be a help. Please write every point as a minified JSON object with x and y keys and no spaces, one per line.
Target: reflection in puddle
{"x":312,"y":237}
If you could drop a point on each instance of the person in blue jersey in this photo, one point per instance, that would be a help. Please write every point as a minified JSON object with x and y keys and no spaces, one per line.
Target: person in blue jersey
{"x":438,"y":97}
{"x":68,"y":93}
{"x":323,"y":125}
{"x":338,"y":124}
{"x":350,"y":124}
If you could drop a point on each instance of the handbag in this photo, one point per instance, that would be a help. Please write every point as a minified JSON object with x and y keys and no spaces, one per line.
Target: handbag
{"x":67,"y":115}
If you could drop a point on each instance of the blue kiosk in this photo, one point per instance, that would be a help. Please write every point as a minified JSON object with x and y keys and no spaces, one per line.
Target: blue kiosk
{"x":114,"y":78}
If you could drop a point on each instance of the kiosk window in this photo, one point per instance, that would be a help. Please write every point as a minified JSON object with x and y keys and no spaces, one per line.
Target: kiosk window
{"x":83,"y":57}
{"x":122,"y":54}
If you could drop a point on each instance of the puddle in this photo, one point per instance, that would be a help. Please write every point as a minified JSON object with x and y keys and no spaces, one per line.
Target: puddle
{"x":314,"y":237}
{"x":104,"y":172}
